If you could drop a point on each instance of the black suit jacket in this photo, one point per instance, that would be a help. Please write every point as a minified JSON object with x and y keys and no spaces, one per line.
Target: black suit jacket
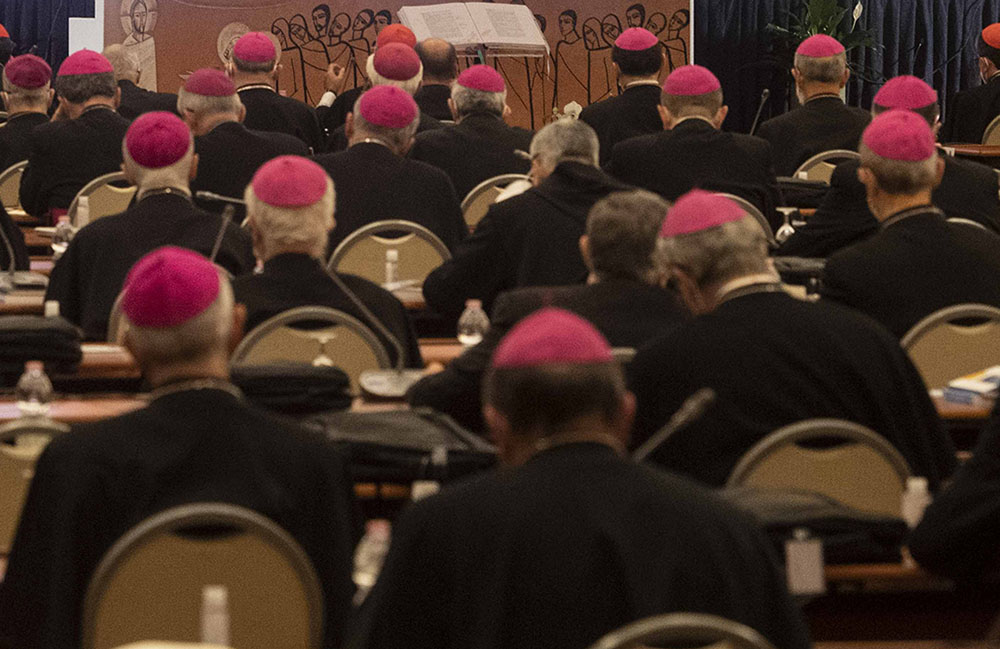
{"x":968,"y":190}
{"x":88,"y":277}
{"x":971,"y":111}
{"x":696,"y":154}
{"x":375,"y":184}
{"x":478,"y":148}
{"x":527,"y":240}
{"x":627,"y":312}
{"x":136,"y":101}
{"x":269,"y":111}
{"x":294,"y":280}
{"x":774,"y":360}
{"x":334,"y":117}
{"x":338,"y":137}
{"x":67,"y":155}
{"x":630,"y":114}
{"x":914,"y":267}
{"x":819,"y":125}
{"x":97,"y":482}
{"x":433,"y":100}
{"x":230,"y":154}
{"x":15,"y":137}
{"x":568,"y":547}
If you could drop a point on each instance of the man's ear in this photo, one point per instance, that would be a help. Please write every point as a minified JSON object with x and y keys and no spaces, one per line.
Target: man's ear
{"x":452,"y":109}
{"x":690,"y":294}
{"x":236,"y":332}
{"x":847,"y":75}
{"x":939,"y":171}
{"x":585,"y":252}
{"x":118,"y":97}
{"x":626,"y":417}
{"x":193,"y":172}
{"x":665,"y":116}
{"x":243,"y":113}
{"x":407,"y":146}
{"x":720,"y":116}
{"x":349,"y":126}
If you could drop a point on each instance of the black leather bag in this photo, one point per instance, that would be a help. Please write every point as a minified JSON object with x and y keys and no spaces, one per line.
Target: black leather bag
{"x":23,"y":338}
{"x":293,"y":388}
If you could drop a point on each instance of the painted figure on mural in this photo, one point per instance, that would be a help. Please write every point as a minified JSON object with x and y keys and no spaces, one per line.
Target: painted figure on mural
{"x":339,"y":50}
{"x":570,"y":62}
{"x":321,"y":20}
{"x":382,"y":20}
{"x":289,"y":79}
{"x":635,"y":15}
{"x":598,"y":61}
{"x":139,"y":20}
{"x":360,"y":45}
{"x":674,"y":44}
{"x":314,"y":58}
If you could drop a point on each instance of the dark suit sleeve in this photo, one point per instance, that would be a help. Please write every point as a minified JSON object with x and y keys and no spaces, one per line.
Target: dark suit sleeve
{"x":315,"y":134}
{"x":33,"y":195}
{"x":15,"y":237}
{"x":773,"y":199}
{"x":959,"y":535}
{"x":836,"y":284}
{"x":65,"y":283}
{"x":451,"y":213}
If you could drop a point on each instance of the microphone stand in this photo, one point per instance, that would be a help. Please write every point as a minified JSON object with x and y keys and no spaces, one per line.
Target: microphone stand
{"x":764,"y":95}
{"x":692,"y":408}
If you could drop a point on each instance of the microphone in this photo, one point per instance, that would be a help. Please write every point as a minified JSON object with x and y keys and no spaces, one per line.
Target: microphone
{"x":366,"y":312}
{"x":227,"y":217}
{"x":764,"y":95}
{"x":212,"y":196}
{"x":692,"y":408}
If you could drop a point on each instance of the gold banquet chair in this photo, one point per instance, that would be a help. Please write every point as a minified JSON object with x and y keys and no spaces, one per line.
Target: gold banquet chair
{"x":10,"y":187}
{"x":103,"y":197}
{"x":342,"y":341}
{"x":688,"y":630}
{"x":863,"y":471}
{"x":820,"y":167}
{"x":21,"y":443}
{"x":477,"y":202}
{"x":150,"y":584}
{"x":991,"y":136}
{"x":953,"y":342}
{"x":363,"y":252}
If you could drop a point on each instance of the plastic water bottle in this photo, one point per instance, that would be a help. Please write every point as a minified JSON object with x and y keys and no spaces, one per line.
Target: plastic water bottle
{"x":82,"y":211}
{"x":215,"y":615}
{"x":34,"y":391}
{"x":61,"y":237}
{"x":369,"y":556}
{"x":391,"y":265}
{"x":916,"y":498}
{"x":473,"y":323}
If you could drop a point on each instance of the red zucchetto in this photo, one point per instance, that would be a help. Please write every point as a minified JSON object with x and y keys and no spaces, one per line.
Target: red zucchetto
{"x":699,"y":210}
{"x":634,"y":39}
{"x":552,"y":336}
{"x":481,"y":77}
{"x":388,"y":106}
{"x":254,"y":47}
{"x":28,"y":72}
{"x":290,"y":181}
{"x":85,"y":62}
{"x":906,"y":92}
{"x":396,"y":34}
{"x":820,"y":46}
{"x":900,"y":135}
{"x":396,"y":61}
{"x":158,"y":139}
{"x":689,"y":80}
{"x":168,"y":287}
{"x":209,"y":82}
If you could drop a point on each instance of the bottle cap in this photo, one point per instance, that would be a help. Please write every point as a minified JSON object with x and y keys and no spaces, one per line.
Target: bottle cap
{"x":392,"y":254}
{"x":51,"y":308}
{"x":473,"y":304}
{"x":214,"y":596}
{"x":801,"y":534}
{"x":34,"y":366}
{"x":64,"y":218}
{"x":378,"y":527}
{"x":916,"y":483}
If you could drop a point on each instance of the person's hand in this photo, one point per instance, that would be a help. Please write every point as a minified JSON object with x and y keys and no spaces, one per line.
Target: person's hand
{"x":335,"y":77}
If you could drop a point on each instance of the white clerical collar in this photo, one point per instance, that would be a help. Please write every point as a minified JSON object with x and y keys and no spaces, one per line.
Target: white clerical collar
{"x":690,"y":117}
{"x":769,"y":282}
{"x":642,"y":82}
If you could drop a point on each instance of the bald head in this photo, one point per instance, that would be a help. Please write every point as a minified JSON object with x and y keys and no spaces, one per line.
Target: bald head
{"x":125,"y":67}
{"x":440,"y":61}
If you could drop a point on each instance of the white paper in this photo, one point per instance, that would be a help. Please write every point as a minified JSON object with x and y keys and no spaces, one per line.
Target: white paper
{"x":450,"y":21}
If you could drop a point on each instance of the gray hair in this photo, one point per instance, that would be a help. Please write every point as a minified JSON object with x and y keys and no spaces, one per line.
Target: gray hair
{"x":705,"y":105}
{"x":253,"y":67}
{"x":829,"y":69}
{"x":125,"y":66}
{"x":410,"y":85}
{"x":395,"y":138}
{"x":78,"y":88}
{"x":200,"y":105}
{"x":200,"y":336}
{"x":470,"y":100}
{"x":899,"y":176}
{"x":565,"y":140}
{"x":292,"y":228}
{"x":175,"y":175}
{"x":622,"y":229}
{"x":21,"y":95}
{"x":718,"y":254}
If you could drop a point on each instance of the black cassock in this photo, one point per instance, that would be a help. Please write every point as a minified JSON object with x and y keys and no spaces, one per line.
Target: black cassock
{"x":971,"y":111}
{"x":15,"y":137}
{"x":67,"y":155}
{"x":774,"y":360}
{"x":293,"y":280}
{"x":630,"y":114}
{"x":137,"y":101}
{"x":88,"y":277}
{"x":97,"y":482}
{"x":968,"y":190}
{"x":478,"y":148}
{"x":821,"y":124}
{"x":269,"y":111}
{"x":913,"y":267}
{"x":573,"y":544}
{"x":527,"y":240}
{"x":338,"y":137}
{"x":432,"y":98}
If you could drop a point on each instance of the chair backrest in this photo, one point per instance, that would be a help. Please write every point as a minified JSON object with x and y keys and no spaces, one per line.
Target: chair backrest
{"x":623,"y":355}
{"x":151,"y":582}
{"x":688,"y":630}
{"x":3,"y":117}
{"x":339,"y":340}
{"x":820,"y":167}
{"x":363,"y":252}
{"x":103,"y":198}
{"x":753,"y":211}
{"x":969,"y":222}
{"x":21,"y":442}
{"x":477,"y":202}
{"x":161,"y":644}
{"x":991,"y":136}
{"x":953,"y":342}
{"x":863,"y":470}
{"x":10,"y":187}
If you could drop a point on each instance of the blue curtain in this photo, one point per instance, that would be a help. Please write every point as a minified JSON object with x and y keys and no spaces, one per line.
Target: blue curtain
{"x":42,"y":26}
{"x":932,"y":39}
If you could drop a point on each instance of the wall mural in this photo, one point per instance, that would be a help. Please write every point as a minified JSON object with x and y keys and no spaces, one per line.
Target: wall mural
{"x":312,"y":35}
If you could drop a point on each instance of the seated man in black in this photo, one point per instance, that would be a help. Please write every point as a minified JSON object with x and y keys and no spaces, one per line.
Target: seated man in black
{"x":135,"y":100}
{"x":290,"y":207}
{"x":159,"y":160}
{"x":27,"y":95}
{"x":621,"y":298}
{"x":83,"y":140}
{"x":968,"y":190}
{"x":917,"y":263}
{"x":571,"y":540}
{"x":196,"y":441}
{"x":771,"y":359}
{"x":972,"y":110}
{"x":823,"y":122}
{"x":636,"y":58}
{"x":440,"y":62}
{"x":531,"y":239}
{"x":480,"y":145}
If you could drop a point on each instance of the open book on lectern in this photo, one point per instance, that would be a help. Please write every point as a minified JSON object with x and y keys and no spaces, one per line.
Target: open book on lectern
{"x":496,"y":29}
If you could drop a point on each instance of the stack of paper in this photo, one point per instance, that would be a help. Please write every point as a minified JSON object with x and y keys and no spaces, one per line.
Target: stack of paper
{"x":497,"y":29}
{"x":979,"y":389}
